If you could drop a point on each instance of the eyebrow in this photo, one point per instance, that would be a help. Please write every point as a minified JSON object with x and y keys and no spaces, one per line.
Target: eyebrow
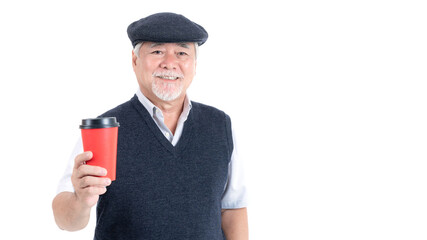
{"x":155,"y":45}
{"x":184,"y":45}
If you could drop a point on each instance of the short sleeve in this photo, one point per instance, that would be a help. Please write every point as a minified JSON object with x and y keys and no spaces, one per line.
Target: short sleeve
{"x":235,"y":191}
{"x":65,"y":184}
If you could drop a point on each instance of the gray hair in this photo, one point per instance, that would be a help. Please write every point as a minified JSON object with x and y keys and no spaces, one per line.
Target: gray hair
{"x":138,"y":47}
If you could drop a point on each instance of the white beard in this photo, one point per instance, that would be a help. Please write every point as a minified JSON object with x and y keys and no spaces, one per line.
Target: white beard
{"x":167,"y":91}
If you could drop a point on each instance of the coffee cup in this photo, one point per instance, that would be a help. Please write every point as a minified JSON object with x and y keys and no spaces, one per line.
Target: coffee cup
{"x":99,"y":135}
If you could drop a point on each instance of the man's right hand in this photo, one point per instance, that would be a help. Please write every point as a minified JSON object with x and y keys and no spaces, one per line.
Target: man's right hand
{"x":72,"y":209}
{"x":87,"y":181}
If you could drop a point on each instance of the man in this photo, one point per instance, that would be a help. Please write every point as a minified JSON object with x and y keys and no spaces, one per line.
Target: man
{"x":178,"y":175}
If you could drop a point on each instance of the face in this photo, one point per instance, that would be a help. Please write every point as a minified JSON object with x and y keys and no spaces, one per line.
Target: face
{"x":165,"y":70}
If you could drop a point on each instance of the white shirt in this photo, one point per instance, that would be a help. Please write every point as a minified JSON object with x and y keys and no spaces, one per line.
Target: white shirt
{"x":235,"y":194}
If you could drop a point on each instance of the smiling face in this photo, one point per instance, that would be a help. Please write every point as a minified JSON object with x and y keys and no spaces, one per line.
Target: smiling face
{"x":165,"y":70}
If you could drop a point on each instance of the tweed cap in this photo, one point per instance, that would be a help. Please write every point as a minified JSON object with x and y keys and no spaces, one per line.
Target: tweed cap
{"x":166,"y":27}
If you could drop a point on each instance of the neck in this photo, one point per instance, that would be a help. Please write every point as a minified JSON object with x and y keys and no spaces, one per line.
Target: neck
{"x":171,"y":110}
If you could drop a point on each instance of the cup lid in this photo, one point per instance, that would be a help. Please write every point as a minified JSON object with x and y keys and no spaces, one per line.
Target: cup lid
{"x":105,"y":122}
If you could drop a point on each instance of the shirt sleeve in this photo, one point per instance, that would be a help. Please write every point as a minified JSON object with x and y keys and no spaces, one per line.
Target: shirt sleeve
{"x":235,"y":192}
{"x":65,"y":184}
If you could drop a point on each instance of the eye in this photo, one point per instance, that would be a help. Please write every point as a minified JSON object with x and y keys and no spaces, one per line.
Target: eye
{"x":156,"y":52}
{"x":182,"y":53}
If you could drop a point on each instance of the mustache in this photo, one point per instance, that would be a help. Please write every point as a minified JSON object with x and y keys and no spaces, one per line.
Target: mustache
{"x":167,"y":74}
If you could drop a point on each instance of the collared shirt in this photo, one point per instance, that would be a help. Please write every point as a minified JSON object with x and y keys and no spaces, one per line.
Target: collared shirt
{"x":235,"y":194}
{"x":158,"y":118}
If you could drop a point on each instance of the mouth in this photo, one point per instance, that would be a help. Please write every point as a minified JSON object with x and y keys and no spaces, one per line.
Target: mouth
{"x":167,"y":77}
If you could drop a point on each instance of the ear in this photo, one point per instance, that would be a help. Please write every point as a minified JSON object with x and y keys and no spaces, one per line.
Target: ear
{"x":134,"y":58}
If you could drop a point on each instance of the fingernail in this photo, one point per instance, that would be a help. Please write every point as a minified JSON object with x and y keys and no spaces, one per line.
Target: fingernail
{"x":108,"y":181}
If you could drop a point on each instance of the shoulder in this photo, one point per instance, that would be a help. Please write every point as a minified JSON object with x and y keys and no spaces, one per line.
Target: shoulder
{"x":212,"y":116}
{"x":214,"y":119}
{"x":206,"y":111}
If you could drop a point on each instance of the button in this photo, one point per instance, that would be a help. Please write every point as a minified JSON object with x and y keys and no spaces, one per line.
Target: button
{"x":167,"y":134}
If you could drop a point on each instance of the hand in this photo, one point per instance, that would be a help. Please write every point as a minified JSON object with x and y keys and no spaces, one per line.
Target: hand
{"x":87,"y":181}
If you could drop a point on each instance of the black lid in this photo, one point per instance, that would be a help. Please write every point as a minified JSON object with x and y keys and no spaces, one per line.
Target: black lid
{"x":106,"y":122}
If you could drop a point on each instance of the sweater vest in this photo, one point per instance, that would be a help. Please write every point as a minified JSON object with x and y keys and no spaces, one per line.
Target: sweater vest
{"x":163,"y":191}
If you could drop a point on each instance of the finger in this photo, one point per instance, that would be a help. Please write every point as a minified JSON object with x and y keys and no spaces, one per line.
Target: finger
{"x":81,"y":158}
{"x":93,"y":191}
{"x":88,"y":170}
{"x":89,"y":181}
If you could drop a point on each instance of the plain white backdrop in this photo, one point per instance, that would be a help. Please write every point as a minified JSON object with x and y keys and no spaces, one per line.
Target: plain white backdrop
{"x":328,"y":99}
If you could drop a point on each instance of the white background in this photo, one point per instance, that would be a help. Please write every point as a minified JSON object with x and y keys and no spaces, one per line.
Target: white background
{"x":328,"y":98}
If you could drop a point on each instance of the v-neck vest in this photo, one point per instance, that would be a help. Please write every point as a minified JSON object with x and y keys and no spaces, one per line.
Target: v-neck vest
{"x":164,"y":191}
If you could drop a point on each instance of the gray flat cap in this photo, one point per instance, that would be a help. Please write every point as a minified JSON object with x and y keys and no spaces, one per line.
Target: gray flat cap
{"x":166,"y":27}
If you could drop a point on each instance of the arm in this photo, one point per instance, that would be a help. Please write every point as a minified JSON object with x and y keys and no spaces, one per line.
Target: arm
{"x":69,"y":213}
{"x":235,"y":224}
{"x":72,"y":209}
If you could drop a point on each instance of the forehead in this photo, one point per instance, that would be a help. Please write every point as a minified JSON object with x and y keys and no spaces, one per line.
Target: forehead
{"x":160,"y":44}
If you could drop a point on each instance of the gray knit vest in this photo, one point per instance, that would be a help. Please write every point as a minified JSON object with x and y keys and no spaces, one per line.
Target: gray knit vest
{"x":162,"y":191}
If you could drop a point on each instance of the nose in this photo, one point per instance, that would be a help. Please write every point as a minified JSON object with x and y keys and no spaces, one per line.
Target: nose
{"x":169,"y":61}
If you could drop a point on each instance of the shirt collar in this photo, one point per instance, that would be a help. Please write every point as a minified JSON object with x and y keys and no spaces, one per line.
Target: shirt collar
{"x":151,"y":108}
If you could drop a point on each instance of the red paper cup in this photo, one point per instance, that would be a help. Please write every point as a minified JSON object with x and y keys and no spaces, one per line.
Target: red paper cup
{"x":99,"y":136}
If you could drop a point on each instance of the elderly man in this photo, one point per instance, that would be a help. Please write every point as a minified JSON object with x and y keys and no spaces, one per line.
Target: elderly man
{"x":178,"y":175}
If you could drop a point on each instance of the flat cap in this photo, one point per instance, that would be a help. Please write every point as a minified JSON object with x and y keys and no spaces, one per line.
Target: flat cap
{"x":166,"y":27}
